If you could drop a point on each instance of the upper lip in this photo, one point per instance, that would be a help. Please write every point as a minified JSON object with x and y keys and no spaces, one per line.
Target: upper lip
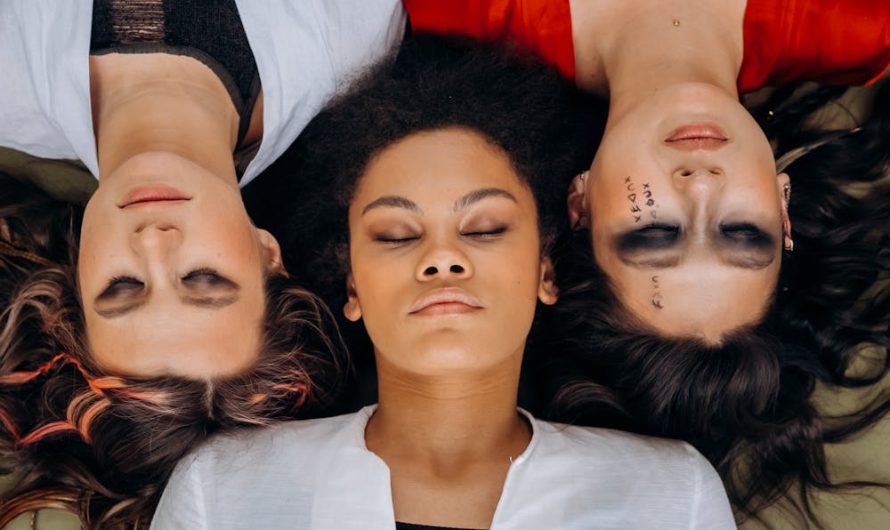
{"x":697,"y":136}
{"x":152,"y":193}
{"x":445,"y":295}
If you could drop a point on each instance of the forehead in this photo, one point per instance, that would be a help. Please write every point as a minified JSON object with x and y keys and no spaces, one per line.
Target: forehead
{"x":696,"y":299}
{"x":196,"y":343}
{"x":440,"y":164}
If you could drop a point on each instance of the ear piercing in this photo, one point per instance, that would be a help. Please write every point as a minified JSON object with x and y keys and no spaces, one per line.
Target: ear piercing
{"x":786,"y":191}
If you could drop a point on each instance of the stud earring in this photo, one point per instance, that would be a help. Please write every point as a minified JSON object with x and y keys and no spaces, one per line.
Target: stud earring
{"x":786,"y":191}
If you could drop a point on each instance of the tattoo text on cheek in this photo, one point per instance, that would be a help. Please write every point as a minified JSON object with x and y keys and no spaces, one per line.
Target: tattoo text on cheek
{"x":656,"y":293}
{"x":645,"y":195}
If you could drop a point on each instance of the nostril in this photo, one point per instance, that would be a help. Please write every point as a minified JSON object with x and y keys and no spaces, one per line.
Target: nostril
{"x":429,"y":271}
{"x":456,"y":269}
{"x":685,"y":173}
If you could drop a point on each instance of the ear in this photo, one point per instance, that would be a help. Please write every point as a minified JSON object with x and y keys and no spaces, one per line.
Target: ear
{"x":352,"y":309}
{"x":577,"y":201}
{"x":548,"y":292}
{"x":271,"y":252}
{"x":783,"y":181}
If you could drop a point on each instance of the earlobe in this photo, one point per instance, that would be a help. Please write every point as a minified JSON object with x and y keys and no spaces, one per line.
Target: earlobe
{"x":548,"y":292}
{"x":352,"y":309}
{"x":783,"y":181}
{"x":577,"y":201}
{"x":271,"y":252}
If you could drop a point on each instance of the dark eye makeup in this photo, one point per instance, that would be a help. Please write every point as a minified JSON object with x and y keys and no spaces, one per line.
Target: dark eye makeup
{"x":206,"y":277}
{"x":653,"y":236}
{"x":201,"y":277}
{"x":746,"y":234}
{"x":119,"y":285}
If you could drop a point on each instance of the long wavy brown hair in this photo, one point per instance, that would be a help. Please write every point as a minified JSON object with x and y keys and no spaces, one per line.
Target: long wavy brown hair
{"x":100,"y":445}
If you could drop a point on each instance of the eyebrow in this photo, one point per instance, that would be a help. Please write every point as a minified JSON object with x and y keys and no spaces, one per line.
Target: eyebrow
{"x":397,"y":201}
{"x":392,"y":201}
{"x":206,"y":302}
{"x":476,"y":196}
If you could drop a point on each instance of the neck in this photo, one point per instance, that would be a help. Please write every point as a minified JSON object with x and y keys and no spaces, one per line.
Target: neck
{"x":449,"y":420}
{"x":161,"y":103}
{"x":632,"y":50}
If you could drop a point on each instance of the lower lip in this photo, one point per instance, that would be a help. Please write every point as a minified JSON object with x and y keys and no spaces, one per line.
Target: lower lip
{"x":447,"y":308}
{"x":152,"y":195}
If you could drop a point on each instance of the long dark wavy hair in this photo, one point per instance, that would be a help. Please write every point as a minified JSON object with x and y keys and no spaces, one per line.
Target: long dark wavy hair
{"x":103,"y":446}
{"x":745,"y":402}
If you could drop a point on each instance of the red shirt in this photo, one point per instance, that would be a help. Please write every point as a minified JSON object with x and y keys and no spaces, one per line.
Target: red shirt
{"x":843,"y":42}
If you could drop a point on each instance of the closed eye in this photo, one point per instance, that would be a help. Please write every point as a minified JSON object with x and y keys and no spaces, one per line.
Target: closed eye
{"x":395,"y":240}
{"x":206,"y":277}
{"x":486,"y":234}
{"x":650,"y":237}
{"x":120,"y":285}
{"x":746,"y":234}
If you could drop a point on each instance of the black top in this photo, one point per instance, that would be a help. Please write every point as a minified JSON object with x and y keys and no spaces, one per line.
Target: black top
{"x":409,"y":526}
{"x":207,"y":30}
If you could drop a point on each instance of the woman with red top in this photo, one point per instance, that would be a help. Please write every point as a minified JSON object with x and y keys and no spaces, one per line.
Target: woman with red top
{"x":684,"y":183}
{"x":688,"y":308}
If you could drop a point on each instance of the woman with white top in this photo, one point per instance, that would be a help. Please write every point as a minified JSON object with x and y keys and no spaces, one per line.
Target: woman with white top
{"x":162,"y":313}
{"x":439,"y":167}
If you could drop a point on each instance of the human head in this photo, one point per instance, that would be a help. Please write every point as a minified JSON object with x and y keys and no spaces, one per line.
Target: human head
{"x":171,"y":271}
{"x":103,"y":445}
{"x":476,"y":99}
{"x":686,"y":212}
{"x":745,"y":402}
{"x":443,"y":213}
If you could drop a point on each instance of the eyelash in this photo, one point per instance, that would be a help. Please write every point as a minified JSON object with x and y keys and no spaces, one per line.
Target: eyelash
{"x":479,"y":234}
{"x":204,"y":274}
{"x":486,"y":234}
{"x":656,"y":230}
{"x":741,"y":231}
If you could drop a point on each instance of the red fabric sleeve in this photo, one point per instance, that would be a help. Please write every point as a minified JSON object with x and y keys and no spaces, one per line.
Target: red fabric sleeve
{"x":839,"y":42}
{"x":541,"y":27}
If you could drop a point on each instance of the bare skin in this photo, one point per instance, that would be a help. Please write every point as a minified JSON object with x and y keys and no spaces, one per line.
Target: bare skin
{"x":169,"y":286}
{"x":446,"y":423}
{"x":670,"y":69}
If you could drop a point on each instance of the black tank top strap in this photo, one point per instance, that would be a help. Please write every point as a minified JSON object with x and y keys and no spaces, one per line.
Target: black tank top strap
{"x":207,"y":30}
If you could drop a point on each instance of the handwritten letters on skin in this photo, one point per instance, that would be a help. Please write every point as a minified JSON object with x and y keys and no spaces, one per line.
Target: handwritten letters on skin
{"x":642,"y":202}
{"x":635,"y":198}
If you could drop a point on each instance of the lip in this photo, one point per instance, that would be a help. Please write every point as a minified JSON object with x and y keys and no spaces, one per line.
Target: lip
{"x":698,"y":136}
{"x":445,"y":301}
{"x":147,"y":195}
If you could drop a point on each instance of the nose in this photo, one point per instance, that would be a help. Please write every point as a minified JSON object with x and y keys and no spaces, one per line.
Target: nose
{"x":700,"y":184}
{"x":155,"y":239}
{"x":444,"y":263}
{"x":698,"y":180}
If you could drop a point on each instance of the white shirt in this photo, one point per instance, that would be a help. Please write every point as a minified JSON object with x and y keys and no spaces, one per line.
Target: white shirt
{"x":319,"y":475}
{"x":305,"y":51}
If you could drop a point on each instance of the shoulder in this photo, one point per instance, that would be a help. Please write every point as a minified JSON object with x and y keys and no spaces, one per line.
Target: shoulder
{"x":653,"y":462}
{"x":254,"y":456}
{"x":249,"y":474}
{"x":270,"y":445}
{"x":615,"y":444}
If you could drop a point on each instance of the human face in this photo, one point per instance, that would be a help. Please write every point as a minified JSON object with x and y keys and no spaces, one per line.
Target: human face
{"x":445,"y":255}
{"x":687,"y":213}
{"x":174,"y":284}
